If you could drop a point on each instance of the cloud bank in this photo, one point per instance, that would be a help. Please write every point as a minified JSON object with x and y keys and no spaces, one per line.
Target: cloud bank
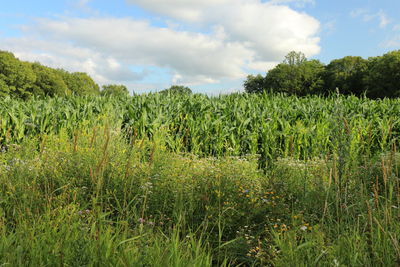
{"x":207,"y":41}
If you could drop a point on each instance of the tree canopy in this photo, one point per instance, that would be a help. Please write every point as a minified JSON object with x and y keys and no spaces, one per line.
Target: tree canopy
{"x":177,"y":89}
{"x":114,"y":90}
{"x":254,"y":83}
{"x":347,"y":74}
{"x":376,"y":77}
{"x":295,"y":75}
{"x":16,"y":77}
{"x":48,"y":82}
{"x":80,"y":83}
{"x":24,"y":79}
{"x":383,"y":75}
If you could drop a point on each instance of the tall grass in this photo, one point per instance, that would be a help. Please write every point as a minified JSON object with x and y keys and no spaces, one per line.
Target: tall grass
{"x":176,"y":181}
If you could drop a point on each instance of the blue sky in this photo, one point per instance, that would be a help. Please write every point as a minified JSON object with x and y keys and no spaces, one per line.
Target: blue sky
{"x":208,"y":45}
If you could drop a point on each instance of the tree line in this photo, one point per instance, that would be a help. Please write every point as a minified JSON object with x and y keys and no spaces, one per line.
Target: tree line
{"x":375,"y":77}
{"x":22,"y":79}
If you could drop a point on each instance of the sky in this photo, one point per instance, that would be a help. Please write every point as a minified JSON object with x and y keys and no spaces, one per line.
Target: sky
{"x":208,"y":45}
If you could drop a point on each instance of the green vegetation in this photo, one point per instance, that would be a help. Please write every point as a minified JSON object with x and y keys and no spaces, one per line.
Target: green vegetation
{"x":376,"y":77}
{"x":236,"y":125}
{"x":177,"y":89}
{"x":347,"y":74}
{"x":114,"y":90}
{"x":100,"y":178}
{"x":20,"y":79}
{"x":296,"y":75}
{"x":16,"y":78}
{"x":191,"y":180}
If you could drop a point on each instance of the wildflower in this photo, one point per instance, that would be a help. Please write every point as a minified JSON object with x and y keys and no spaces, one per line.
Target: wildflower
{"x":141,"y":220}
{"x":336,"y":262}
{"x":3,"y":149}
{"x":303,"y":228}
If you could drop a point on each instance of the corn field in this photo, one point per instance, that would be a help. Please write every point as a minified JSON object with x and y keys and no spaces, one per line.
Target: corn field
{"x":236,"y":125}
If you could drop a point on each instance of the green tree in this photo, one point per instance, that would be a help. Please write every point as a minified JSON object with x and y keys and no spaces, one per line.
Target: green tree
{"x":16,"y":77}
{"x":347,"y":74}
{"x":115,"y":90}
{"x":79,"y":83}
{"x":383,"y":75}
{"x":296,"y":75}
{"x":254,"y":84}
{"x":312,"y":76}
{"x":177,"y":89}
{"x":294,"y":58}
{"x":48,"y":81}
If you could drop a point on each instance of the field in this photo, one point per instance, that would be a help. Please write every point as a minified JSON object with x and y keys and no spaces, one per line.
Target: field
{"x":191,"y":180}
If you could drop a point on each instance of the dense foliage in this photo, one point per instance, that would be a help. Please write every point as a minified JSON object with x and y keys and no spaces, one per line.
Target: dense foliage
{"x":237,"y":124}
{"x":16,"y":78}
{"x":177,"y":89}
{"x":347,"y":74}
{"x":376,"y":77}
{"x":21,"y":79}
{"x":114,"y":90}
{"x":109,"y":181}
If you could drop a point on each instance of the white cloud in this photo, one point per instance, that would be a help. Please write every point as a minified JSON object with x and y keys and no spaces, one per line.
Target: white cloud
{"x":234,"y":36}
{"x":298,"y":3}
{"x":393,"y":42}
{"x":329,"y":27}
{"x":82,"y":6}
{"x":358,"y":12}
{"x":56,"y":54}
{"x":268,"y":29}
{"x":367,"y":16}
{"x":383,"y":19}
{"x":196,"y":57}
{"x":262,"y":66}
{"x":189,"y":10}
{"x":83,"y":3}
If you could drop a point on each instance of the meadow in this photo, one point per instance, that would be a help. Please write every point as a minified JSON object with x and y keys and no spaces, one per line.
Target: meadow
{"x":193,"y":180}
